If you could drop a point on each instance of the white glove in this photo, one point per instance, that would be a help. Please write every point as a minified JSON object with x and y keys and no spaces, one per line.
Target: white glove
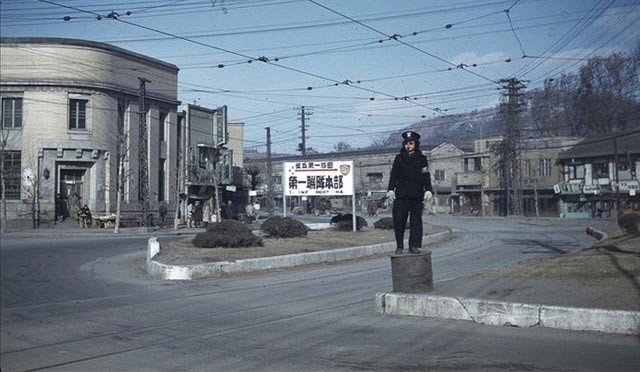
{"x":428,"y":195}
{"x":391,"y":195}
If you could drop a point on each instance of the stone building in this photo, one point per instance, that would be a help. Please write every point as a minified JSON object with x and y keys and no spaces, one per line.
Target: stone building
{"x":71,"y":110}
{"x":481,"y":181}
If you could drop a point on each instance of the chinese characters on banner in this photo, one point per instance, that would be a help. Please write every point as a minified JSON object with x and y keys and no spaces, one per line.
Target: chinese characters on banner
{"x":318,"y":178}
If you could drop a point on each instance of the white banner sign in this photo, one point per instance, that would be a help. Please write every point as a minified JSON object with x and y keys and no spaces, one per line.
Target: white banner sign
{"x":318,"y":178}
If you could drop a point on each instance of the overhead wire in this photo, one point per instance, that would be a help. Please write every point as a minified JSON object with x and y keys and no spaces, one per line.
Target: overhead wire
{"x":292,"y":69}
{"x":507,"y":12}
{"x":397,"y":39}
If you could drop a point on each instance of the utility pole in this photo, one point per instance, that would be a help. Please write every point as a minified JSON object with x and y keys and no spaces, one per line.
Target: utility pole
{"x":510,"y":153}
{"x":143,"y":175}
{"x":269,"y":174}
{"x":615,"y":168}
{"x":304,"y":114}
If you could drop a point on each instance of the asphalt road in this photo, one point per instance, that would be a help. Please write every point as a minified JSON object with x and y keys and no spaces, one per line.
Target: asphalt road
{"x":83,"y":303}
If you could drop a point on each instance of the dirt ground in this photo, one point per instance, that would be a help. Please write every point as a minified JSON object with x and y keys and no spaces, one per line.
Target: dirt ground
{"x":606,"y":276}
{"x":617,"y":258}
{"x":184,"y":253}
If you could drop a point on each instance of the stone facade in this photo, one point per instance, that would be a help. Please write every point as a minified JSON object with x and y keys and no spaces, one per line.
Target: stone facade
{"x":79,"y":112}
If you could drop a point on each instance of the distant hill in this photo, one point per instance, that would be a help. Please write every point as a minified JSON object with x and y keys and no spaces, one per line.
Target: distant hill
{"x":459,"y":129}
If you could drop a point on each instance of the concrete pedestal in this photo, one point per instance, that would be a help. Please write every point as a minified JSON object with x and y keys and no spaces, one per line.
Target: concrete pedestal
{"x":412,"y":273}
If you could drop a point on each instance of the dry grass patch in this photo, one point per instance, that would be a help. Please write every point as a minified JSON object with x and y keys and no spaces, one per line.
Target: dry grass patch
{"x":184,"y":253}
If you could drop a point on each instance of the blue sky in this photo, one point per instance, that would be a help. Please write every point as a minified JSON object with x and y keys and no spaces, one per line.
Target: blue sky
{"x":362,"y":67}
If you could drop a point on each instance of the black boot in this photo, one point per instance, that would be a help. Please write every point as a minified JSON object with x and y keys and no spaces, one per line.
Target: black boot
{"x":398,"y":251}
{"x":414,"y":250}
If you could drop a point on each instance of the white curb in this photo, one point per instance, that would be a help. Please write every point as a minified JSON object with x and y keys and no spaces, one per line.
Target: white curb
{"x":170,"y":272}
{"x":507,"y":313}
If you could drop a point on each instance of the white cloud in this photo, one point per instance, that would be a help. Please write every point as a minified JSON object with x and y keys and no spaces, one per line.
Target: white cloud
{"x":470,"y":58}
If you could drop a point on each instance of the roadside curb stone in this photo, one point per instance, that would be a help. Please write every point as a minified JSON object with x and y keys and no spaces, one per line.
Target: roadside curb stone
{"x":508,"y":313}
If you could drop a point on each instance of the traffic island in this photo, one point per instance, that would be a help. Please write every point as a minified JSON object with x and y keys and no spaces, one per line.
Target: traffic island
{"x":217,"y":269}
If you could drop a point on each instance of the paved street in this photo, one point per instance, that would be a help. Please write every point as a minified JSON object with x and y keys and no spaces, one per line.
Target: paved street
{"x":83,"y":303}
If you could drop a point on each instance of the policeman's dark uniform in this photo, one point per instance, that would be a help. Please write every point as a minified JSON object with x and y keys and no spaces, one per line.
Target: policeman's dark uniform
{"x":410,"y":179}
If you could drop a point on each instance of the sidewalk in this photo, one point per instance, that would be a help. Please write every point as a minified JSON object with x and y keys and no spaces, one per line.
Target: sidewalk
{"x":593,"y":290}
{"x":74,"y":230}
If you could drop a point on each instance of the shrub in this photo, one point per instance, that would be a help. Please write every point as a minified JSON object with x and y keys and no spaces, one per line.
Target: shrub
{"x":227,"y":234}
{"x":345,"y":222}
{"x":630,"y":222}
{"x":385,"y":223}
{"x":283,"y":227}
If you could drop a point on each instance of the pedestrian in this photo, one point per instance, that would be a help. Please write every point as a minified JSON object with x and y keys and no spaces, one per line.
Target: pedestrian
{"x":228,"y":210}
{"x":84,"y":215}
{"x":428,"y":202}
{"x":197,"y":214}
{"x":60,"y":208}
{"x":206,"y":212}
{"x":162,"y":212}
{"x":190,"y":215}
{"x":372,"y":207}
{"x":409,"y":183}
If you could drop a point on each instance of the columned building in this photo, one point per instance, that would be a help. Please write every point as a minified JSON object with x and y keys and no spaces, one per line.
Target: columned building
{"x":72,"y":113}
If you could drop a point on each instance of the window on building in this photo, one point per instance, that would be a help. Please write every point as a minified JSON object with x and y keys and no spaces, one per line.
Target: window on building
{"x":576,"y":172}
{"x":12,"y":112}
{"x":600,"y":170}
{"x":161,"y":180}
{"x":123,"y":104}
{"x":477,"y":164}
{"x":472,"y":164}
{"x":374,"y":177}
{"x":439,"y":175}
{"x":227,"y":162}
{"x":626,"y":164}
{"x":78,"y":114}
{"x":544,"y":167}
{"x":527,"y":171}
{"x":12,"y":174}
{"x":161,"y":127}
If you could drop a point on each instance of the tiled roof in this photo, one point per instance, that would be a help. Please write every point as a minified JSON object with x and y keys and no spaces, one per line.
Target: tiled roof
{"x":628,"y":142}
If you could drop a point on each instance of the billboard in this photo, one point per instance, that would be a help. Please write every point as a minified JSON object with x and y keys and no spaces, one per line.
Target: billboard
{"x":318,"y":178}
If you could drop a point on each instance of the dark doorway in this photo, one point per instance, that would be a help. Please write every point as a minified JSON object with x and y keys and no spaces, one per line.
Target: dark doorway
{"x":71,"y":191}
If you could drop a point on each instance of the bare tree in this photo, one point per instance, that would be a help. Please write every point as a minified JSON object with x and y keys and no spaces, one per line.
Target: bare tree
{"x":254,"y":172}
{"x":342,"y":147}
{"x":554,"y":108}
{"x":7,"y":138}
{"x":121,"y":178}
{"x":122,"y":157}
{"x":601,"y":98}
{"x":176,"y":212}
{"x":608,"y":90}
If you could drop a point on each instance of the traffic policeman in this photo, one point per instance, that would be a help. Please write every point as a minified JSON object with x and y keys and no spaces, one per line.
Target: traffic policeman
{"x":409,"y":184}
